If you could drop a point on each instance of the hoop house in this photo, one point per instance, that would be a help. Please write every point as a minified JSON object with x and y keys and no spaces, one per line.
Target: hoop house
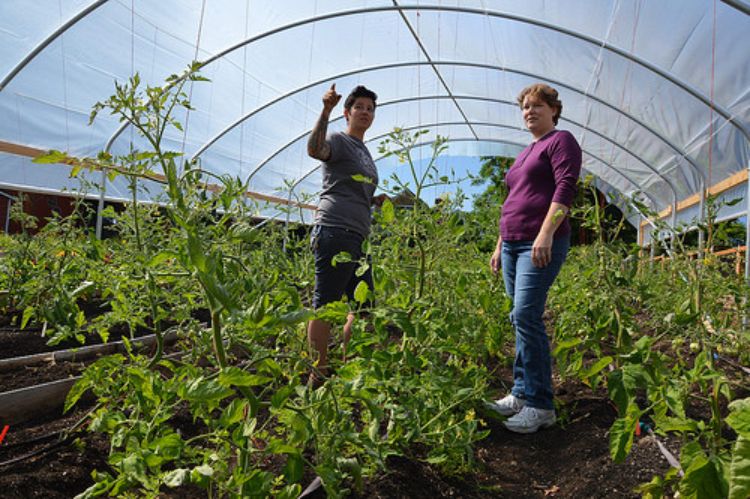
{"x":656,"y":92}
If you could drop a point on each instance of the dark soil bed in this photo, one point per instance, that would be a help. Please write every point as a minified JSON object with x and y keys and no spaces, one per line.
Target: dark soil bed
{"x":16,"y":343}
{"x":570,"y":460}
{"x":38,"y":374}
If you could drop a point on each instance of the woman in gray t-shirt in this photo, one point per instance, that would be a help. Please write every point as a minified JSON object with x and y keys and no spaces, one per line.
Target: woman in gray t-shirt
{"x":342,"y":220}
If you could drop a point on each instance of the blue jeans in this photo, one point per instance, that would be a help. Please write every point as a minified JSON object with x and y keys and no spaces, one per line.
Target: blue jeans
{"x":527,"y":287}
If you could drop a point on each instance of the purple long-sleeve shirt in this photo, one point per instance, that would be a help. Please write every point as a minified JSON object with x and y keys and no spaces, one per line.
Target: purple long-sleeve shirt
{"x":545,"y":172}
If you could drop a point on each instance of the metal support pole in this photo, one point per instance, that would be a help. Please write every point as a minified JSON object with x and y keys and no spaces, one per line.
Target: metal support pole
{"x":747,"y":227}
{"x":674,"y":224}
{"x":652,"y":251}
{"x":7,"y":216}
{"x":745,"y":321}
{"x":286,"y":222}
{"x":702,"y":219}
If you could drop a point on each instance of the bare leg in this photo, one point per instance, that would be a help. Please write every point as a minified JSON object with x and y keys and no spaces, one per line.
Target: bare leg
{"x":348,"y":331}
{"x":318,"y":333}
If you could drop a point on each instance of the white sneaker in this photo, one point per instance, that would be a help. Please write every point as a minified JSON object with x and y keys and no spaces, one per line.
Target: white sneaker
{"x":530,"y":419}
{"x":507,"y":406}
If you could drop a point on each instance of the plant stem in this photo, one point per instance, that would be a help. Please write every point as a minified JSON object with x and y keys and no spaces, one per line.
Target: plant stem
{"x":221,"y":356}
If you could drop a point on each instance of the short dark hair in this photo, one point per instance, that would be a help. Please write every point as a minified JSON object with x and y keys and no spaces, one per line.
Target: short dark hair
{"x":360,"y":91}
{"x":545,"y":93}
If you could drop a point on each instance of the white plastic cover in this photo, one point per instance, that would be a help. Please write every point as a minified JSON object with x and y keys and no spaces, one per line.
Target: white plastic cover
{"x":656,"y":91}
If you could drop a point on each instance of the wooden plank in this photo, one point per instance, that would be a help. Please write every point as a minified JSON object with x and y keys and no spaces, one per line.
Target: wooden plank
{"x":724,"y":185}
{"x":731,"y":251}
{"x":32,"y":152}
{"x":19,"y":150}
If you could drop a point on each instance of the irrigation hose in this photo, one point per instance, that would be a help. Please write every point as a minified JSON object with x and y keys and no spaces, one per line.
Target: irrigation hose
{"x":673,"y":462}
{"x":38,"y":452}
{"x":65,"y":435}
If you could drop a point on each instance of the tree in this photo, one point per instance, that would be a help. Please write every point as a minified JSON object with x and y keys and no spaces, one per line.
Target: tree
{"x":487,"y":204}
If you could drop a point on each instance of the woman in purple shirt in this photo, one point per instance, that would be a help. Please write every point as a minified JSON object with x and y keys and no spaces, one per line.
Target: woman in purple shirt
{"x":532,"y":246}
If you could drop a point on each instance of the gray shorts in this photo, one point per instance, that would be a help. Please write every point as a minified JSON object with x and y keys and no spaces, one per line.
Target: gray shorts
{"x":334,"y":282}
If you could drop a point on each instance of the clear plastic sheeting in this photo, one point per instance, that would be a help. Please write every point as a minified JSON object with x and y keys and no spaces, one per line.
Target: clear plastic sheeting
{"x":656,"y":91}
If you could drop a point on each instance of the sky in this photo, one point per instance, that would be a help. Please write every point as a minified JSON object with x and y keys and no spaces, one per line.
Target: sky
{"x":458,"y":167}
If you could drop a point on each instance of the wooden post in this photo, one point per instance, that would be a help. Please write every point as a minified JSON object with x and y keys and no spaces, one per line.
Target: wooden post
{"x":737,"y":260}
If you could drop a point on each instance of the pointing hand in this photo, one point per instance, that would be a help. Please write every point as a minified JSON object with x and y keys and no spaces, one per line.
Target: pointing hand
{"x":331,"y":98}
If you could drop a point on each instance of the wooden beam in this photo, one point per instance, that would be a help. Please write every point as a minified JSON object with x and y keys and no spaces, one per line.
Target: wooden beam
{"x":32,"y":152}
{"x":19,"y":150}
{"x":724,"y":185}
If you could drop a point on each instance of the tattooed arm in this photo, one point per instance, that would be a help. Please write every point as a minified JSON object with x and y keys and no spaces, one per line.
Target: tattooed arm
{"x":317,"y":147}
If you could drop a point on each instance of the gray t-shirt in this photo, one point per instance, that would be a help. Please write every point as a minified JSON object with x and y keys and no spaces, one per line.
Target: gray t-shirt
{"x":345,"y":202}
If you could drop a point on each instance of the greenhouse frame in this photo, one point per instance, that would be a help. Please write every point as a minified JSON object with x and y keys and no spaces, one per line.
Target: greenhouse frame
{"x":663,"y":119}
{"x":222,"y":274}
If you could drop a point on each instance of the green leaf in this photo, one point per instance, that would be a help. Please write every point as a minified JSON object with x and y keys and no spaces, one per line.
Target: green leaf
{"x":277,"y":446}
{"x":203,"y":469}
{"x":85,"y":286}
{"x":342,"y":257}
{"x":597,"y":367}
{"x":245,"y":233}
{"x":296,"y":317}
{"x":234,"y":376}
{"x":28,"y":313}
{"x":363,"y":267}
{"x":387,"y":211}
{"x":437,"y":459}
{"x":177,"y":477}
{"x":739,"y":470}
{"x":361,"y":292}
{"x":135,"y":466}
{"x":673,"y":397}
{"x":270,"y":366}
{"x":281,"y":396}
{"x":739,"y":416}
{"x":52,"y":156}
{"x":294,"y":468}
{"x":362,"y":178}
{"x":683,"y":425}
{"x":234,"y":412}
{"x":160,"y":258}
{"x":703,"y":480}
{"x":653,"y":489}
{"x":691,"y":452}
{"x":621,"y":434}
{"x":618,"y":392}
{"x":292,"y":491}
{"x":204,"y":390}
{"x":168,"y":446}
{"x":197,"y":255}
{"x":75,"y":393}
{"x":566,"y":345}
{"x":352,"y":466}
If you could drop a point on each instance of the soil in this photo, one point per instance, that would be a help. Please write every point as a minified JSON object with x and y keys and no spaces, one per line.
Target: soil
{"x":15,"y":342}
{"x":35,"y":375}
{"x":570,"y":460}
